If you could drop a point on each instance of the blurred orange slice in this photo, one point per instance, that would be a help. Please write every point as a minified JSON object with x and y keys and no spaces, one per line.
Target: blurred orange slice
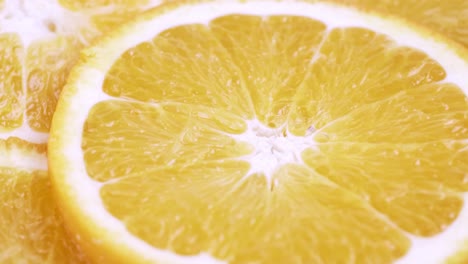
{"x":265,"y":132}
{"x":39,"y":43}
{"x":447,"y":17}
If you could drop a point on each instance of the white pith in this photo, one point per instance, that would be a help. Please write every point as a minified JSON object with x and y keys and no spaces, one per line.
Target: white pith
{"x":19,"y":158}
{"x":26,"y":133}
{"x":430,"y":250}
{"x":274,"y":147}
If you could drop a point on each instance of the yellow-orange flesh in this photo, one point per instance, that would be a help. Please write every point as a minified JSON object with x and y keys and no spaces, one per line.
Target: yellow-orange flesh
{"x":32,"y":74}
{"x":34,"y":234}
{"x":389,"y":155}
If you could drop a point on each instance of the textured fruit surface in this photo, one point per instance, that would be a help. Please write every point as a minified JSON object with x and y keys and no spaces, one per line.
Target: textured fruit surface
{"x":34,"y":233}
{"x":248,"y":138}
{"x":40,"y":41}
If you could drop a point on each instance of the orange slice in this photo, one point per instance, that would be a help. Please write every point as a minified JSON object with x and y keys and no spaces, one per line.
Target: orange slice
{"x":265,"y":132}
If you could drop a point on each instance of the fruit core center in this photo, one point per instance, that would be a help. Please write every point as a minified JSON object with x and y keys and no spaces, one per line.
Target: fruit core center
{"x":273,"y":148}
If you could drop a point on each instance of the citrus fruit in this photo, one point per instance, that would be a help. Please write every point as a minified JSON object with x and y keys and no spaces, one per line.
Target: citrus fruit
{"x":265,"y":132}
{"x":39,"y":42}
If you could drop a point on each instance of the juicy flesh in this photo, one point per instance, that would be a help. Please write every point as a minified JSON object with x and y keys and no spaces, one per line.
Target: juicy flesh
{"x":389,"y":136}
{"x":12,"y":99}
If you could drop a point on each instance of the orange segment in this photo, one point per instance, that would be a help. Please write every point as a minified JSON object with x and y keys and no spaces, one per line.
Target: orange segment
{"x":81,"y":5}
{"x":11,"y":89}
{"x":182,"y":137}
{"x":274,"y":58}
{"x":384,"y":70}
{"x":48,"y":64}
{"x":194,"y":231}
{"x":107,"y":22}
{"x":426,"y":113}
{"x":173,"y":53}
{"x":416,"y":185}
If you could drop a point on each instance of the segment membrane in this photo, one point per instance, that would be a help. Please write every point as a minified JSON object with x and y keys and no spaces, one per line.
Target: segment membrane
{"x":425,"y":113}
{"x":417,"y":186}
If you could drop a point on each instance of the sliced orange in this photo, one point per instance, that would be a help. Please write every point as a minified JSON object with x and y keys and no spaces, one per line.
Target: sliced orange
{"x":39,"y":42}
{"x":265,"y":132}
